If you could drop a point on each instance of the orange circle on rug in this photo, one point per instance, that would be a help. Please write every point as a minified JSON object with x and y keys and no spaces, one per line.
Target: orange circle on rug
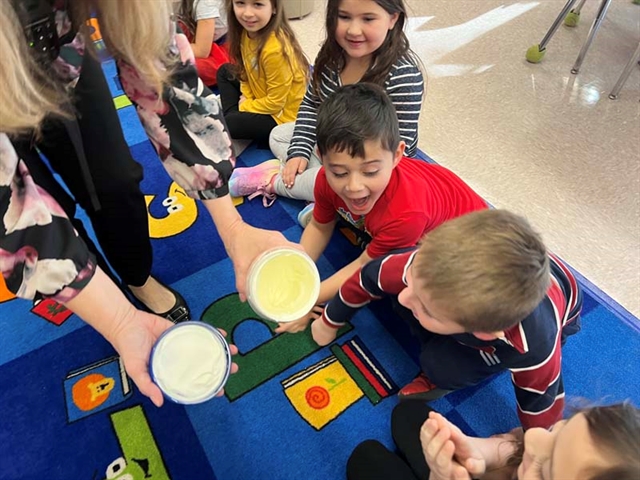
{"x":91,"y":391}
{"x":317,"y":397}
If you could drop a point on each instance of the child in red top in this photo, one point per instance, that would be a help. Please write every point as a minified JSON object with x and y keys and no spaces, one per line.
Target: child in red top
{"x":366,"y":180}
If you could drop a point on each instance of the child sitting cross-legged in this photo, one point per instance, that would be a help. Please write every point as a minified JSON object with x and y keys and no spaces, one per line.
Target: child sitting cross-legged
{"x":483,"y":296}
{"x":367,"y":183}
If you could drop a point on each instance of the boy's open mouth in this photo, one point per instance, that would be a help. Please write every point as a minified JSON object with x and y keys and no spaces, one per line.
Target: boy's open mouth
{"x":359,"y":202}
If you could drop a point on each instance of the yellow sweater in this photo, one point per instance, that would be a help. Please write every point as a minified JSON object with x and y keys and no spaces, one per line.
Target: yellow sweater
{"x":273,"y":88}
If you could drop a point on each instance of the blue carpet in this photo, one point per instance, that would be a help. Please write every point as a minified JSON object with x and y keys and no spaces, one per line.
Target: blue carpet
{"x":293,"y":411}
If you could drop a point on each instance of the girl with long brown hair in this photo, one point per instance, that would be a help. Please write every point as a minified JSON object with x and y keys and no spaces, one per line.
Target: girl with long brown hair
{"x":365,"y":42}
{"x":264,"y":86}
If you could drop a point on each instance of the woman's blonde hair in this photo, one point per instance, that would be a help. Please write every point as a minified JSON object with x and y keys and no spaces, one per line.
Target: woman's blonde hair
{"x":27,"y":95}
{"x":138,"y":32}
{"x":488,"y":270}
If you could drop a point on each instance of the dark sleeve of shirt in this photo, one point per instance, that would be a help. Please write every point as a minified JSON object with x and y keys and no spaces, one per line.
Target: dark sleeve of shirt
{"x":382,"y":276}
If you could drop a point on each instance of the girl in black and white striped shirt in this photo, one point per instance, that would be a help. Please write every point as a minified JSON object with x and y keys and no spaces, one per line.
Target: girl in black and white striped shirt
{"x":365,"y":43}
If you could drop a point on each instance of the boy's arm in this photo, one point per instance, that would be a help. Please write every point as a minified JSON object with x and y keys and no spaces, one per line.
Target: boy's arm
{"x":540,"y":393}
{"x":383,"y":275}
{"x":330,"y":287}
{"x":315,"y":237}
{"x":537,"y":378}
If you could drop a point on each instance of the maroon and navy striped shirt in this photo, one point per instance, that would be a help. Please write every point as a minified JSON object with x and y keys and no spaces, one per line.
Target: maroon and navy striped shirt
{"x":531,"y":350}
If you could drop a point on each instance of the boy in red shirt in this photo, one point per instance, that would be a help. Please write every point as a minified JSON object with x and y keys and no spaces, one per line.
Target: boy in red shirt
{"x":366,"y":181}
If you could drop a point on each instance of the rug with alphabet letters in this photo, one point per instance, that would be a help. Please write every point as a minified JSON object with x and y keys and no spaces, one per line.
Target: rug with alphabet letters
{"x":294,"y":410}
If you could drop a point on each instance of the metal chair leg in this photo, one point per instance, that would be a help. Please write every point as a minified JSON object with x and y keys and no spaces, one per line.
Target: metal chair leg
{"x":625,"y":74}
{"x":573,"y":17}
{"x":535,"y":53}
{"x":602,"y":11}
{"x":556,"y":23}
{"x":579,"y":7}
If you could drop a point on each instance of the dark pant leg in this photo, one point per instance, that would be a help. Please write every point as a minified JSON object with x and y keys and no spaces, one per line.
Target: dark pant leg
{"x":242,"y":125}
{"x":121,"y":225}
{"x":372,"y":461}
{"x":406,"y":420}
{"x":45,"y":179}
{"x":449,"y":364}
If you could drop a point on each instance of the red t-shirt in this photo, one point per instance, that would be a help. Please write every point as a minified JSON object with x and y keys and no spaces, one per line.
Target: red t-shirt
{"x":419,"y":197}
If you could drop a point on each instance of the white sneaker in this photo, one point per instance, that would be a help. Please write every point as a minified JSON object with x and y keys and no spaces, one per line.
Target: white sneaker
{"x":305,"y":215}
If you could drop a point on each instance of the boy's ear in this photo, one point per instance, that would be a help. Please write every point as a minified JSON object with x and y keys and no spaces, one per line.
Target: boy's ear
{"x":399,"y":153}
{"x":487,"y":337}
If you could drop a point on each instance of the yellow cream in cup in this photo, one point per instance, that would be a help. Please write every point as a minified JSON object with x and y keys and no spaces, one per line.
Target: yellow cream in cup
{"x":283,"y":284}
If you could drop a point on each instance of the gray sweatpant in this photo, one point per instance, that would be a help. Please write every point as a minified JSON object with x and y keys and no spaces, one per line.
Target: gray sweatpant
{"x":302,"y":189}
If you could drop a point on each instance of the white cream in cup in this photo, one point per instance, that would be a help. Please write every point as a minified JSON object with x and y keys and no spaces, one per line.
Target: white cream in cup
{"x":283,"y":284}
{"x":190,"y":362}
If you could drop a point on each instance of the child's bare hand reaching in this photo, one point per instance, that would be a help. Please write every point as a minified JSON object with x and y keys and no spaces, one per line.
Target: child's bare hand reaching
{"x":301,"y":324}
{"x":450,"y":454}
{"x":293,"y":167}
{"x":322,"y":333}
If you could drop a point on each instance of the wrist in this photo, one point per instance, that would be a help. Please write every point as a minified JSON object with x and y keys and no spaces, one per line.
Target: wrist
{"x":102,"y":305}
{"x":225,"y":217}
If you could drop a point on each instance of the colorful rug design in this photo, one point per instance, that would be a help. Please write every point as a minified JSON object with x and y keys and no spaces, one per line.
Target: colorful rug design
{"x":294,"y":410}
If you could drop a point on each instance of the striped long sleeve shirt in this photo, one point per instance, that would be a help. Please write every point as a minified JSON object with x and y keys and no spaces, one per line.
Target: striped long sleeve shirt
{"x":530,"y":350}
{"x":404,"y":85}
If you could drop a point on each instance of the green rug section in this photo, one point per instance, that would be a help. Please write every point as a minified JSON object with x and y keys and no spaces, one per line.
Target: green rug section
{"x":265,"y":361}
{"x":139,"y":447}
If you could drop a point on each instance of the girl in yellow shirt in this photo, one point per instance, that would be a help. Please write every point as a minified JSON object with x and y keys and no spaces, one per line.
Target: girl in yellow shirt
{"x":264,"y":86}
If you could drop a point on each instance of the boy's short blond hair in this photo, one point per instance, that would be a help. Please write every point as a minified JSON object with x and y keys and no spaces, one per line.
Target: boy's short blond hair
{"x":488,"y":270}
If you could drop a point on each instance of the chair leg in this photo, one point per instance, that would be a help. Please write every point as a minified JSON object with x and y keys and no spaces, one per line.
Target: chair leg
{"x":625,"y":74}
{"x":536,"y":52}
{"x":573,"y":17}
{"x":602,"y":11}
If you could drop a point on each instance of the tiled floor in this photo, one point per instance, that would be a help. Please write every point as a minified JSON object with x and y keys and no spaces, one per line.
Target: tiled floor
{"x":534,"y":138}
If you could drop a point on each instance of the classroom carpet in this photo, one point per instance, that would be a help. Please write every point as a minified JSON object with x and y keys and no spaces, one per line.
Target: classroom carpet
{"x":294,"y":410}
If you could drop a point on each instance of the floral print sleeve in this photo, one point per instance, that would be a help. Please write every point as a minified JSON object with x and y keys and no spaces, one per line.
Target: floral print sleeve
{"x":186,"y":126}
{"x":41,"y":254}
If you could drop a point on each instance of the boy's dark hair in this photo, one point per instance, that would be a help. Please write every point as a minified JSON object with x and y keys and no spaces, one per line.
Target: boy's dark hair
{"x":354,"y":114}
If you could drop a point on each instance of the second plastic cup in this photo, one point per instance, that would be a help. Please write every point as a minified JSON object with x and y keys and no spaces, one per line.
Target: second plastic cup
{"x":283,"y":284}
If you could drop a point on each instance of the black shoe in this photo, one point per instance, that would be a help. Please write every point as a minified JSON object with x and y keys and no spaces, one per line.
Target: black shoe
{"x":180,"y":310}
{"x":176,"y":314}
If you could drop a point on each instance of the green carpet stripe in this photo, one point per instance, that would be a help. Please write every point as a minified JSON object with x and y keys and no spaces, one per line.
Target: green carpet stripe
{"x":357,"y":376}
{"x":137,"y":441}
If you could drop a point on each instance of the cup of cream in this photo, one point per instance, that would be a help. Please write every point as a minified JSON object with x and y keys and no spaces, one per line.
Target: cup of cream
{"x":190,"y":362}
{"x":283,"y":284}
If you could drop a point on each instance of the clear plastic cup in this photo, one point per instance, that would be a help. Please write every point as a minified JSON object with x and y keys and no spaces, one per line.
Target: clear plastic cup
{"x":283,"y":284}
{"x":190,"y":362}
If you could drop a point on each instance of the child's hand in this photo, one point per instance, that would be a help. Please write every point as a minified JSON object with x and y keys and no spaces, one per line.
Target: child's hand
{"x":449,"y":452}
{"x":301,"y":324}
{"x":322,"y":333}
{"x":293,"y":167}
{"x":241,"y":99}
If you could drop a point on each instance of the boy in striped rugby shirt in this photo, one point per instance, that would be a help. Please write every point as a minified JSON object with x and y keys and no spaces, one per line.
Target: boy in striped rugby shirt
{"x":483,"y":295}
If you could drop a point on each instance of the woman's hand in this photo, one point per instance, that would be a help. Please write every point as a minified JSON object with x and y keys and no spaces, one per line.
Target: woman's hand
{"x":450,"y":454}
{"x":245,"y":244}
{"x":133,"y":341}
{"x":293,"y":167}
